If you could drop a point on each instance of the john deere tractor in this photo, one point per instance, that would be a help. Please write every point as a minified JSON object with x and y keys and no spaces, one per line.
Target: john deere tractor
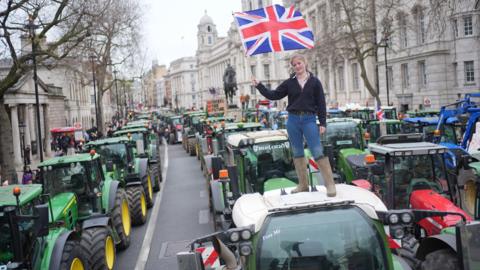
{"x":27,"y":241}
{"x":191,"y":126}
{"x":119,"y":162}
{"x":307,"y":230}
{"x":96,"y":205}
{"x":147,"y":148}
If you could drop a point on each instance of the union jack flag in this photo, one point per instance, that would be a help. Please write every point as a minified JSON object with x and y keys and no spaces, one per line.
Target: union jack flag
{"x":273,"y":28}
{"x":379,"y":113}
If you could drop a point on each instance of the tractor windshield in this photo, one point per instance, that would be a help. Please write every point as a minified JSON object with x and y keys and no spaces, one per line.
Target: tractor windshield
{"x":375,"y":132}
{"x":344,"y":135}
{"x":340,"y":238}
{"x":274,"y":159}
{"x":117,"y":153}
{"x":6,"y":241}
{"x":61,"y":178}
{"x":417,"y":172}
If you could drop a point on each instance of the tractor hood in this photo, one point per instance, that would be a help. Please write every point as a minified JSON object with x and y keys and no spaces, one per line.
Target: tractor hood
{"x":278,"y":183}
{"x":254,"y":208}
{"x":28,"y":193}
{"x":61,"y":204}
{"x":427,"y":199}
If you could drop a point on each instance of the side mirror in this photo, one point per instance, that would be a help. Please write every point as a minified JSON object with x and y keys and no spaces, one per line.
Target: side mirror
{"x":41,"y":223}
{"x":109,"y":166}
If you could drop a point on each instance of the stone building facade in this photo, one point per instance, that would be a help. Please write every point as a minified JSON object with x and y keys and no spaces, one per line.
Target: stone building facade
{"x":183,"y":83}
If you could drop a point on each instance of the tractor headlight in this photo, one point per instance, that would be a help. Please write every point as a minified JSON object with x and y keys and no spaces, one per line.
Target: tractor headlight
{"x":393,"y":219}
{"x":245,"y":249}
{"x":406,"y":218}
{"x":234,"y":237}
{"x":246,"y":234}
{"x":398,"y":232}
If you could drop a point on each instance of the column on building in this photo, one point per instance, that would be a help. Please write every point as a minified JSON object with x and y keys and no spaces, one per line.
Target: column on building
{"x":331,"y":80}
{"x":346,"y":79}
{"x":31,"y":123}
{"x":17,"y":155}
{"x":28,"y":126}
{"x":48,"y":149}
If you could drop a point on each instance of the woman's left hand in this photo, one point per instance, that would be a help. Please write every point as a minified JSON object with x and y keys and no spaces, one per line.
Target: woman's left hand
{"x":322,"y":129}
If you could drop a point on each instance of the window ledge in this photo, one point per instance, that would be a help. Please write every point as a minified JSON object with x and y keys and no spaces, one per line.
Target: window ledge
{"x":469,"y":84}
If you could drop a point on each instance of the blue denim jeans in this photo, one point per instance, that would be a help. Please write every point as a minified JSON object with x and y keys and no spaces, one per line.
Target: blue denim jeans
{"x":300,"y":126}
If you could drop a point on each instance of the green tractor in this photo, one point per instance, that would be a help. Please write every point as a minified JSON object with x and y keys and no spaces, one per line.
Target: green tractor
{"x":147,"y":148}
{"x":191,"y":127}
{"x":94,"y":205}
{"x":119,"y":162}
{"x":307,"y":230}
{"x":27,"y":241}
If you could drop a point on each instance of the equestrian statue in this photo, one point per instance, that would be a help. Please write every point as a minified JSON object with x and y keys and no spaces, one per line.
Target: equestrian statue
{"x":229,"y":84}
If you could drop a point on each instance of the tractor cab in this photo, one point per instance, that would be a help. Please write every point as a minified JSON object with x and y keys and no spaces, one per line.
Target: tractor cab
{"x":264,"y":160}
{"x":139,"y":135}
{"x":415,"y":176}
{"x":385,"y":127}
{"x":80,"y":176}
{"x":307,"y":230}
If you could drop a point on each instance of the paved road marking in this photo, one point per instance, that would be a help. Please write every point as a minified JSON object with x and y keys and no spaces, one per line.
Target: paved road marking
{"x":203,"y":216}
{"x":147,"y":240}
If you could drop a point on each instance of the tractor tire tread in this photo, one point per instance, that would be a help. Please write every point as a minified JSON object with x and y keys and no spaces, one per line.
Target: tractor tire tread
{"x":93,"y":245}
{"x":134,"y":195}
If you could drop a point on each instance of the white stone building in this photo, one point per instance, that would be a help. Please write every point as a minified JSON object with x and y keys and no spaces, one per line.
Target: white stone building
{"x":184,"y":83}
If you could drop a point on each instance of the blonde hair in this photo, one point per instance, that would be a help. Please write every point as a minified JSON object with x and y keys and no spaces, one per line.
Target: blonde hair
{"x":298,"y":57}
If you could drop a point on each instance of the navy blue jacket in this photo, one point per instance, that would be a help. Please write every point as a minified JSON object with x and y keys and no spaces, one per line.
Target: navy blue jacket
{"x":310,"y":99}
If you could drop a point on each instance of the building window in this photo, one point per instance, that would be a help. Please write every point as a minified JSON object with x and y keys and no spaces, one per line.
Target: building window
{"x":403,"y":33}
{"x":355,"y":82}
{"x":260,"y":4}
{"x":208,"y":28}
{"x":455,"y":27}
{"x":390,"y":77}
{"x":469,"y":72}
{"x":405,"y":77}
{"x":209,"y":40}
{"x":422,"y":74}
{"x":253,"y":70}
{"x":455,"y":74}
{"x":92,"y":99}
{"x":468,"y":26}
{"x":193,"y":97}
{"x":341,"y":81}
{"x":252,"y":90}
{"x":266,"y":71}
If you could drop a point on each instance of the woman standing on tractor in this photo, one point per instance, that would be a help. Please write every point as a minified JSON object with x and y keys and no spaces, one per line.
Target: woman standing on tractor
{"x":306,"y":100}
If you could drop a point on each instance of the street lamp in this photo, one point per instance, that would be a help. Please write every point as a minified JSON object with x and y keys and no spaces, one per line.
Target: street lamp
{"x":31,"y":29}
{"x":116,"y":92}
{"x":92,"y":58}
{"x":124,"y":99}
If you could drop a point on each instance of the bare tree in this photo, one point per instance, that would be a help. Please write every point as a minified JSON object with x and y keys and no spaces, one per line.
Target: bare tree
{"x":114,"y":41}
{"x":67,"y":20}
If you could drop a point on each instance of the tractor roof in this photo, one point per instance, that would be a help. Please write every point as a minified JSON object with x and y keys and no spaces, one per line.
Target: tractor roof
{"x":68,"y":159}
{"x":405,"y":148}
{"x":127,"y":130}
{"x":240,"y":126}
{"x":112,"y":140}
{"x":175,"y":116}
{"x":343,"y":120}
{"x":387,"y":121}
{"x":253,"y":208}
{"x":28,"y":193}
{"x":257,"y":137}
{"x":194,"y":114}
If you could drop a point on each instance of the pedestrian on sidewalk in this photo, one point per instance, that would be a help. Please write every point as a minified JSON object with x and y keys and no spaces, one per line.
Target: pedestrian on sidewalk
{"x":306,"y":101}
{"x":27,"y":177}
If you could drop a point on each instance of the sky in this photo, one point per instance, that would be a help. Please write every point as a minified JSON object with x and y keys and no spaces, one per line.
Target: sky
{"x":170,"y":28}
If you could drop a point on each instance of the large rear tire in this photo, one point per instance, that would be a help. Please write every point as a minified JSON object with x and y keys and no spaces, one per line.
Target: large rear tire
{"x":191,"y":147}
{"x":148,"y":188}
{"x":121,"y":219}
{"x":138,"y":204}
{"x":442,"y":259}
{"x":72,"y":257}
{"x":98,"y":245}
{"x":155,"y":176}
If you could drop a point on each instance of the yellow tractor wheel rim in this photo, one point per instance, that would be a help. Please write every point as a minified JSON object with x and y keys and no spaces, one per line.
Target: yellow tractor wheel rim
{"x":470,"y":196}
{"x":77,"y":264}
{"x":109,"y":252}
{"x":143,"y":205}
{"x":126,"y":221}
{"x":150,"y":189}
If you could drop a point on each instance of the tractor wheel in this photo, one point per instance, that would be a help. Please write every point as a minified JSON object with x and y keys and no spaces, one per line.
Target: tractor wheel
{"x":155,"y":176}
{"x":98,"y":245}
{"x":72,"y":257}
{"x":138,"y":204}
{"x":442,"y":259}
{"x":121,"y":219}
{"x":197,"y":150}
{"x":191,"y":147}
{"x":148,"y":188}
{"x":172,"y":139}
